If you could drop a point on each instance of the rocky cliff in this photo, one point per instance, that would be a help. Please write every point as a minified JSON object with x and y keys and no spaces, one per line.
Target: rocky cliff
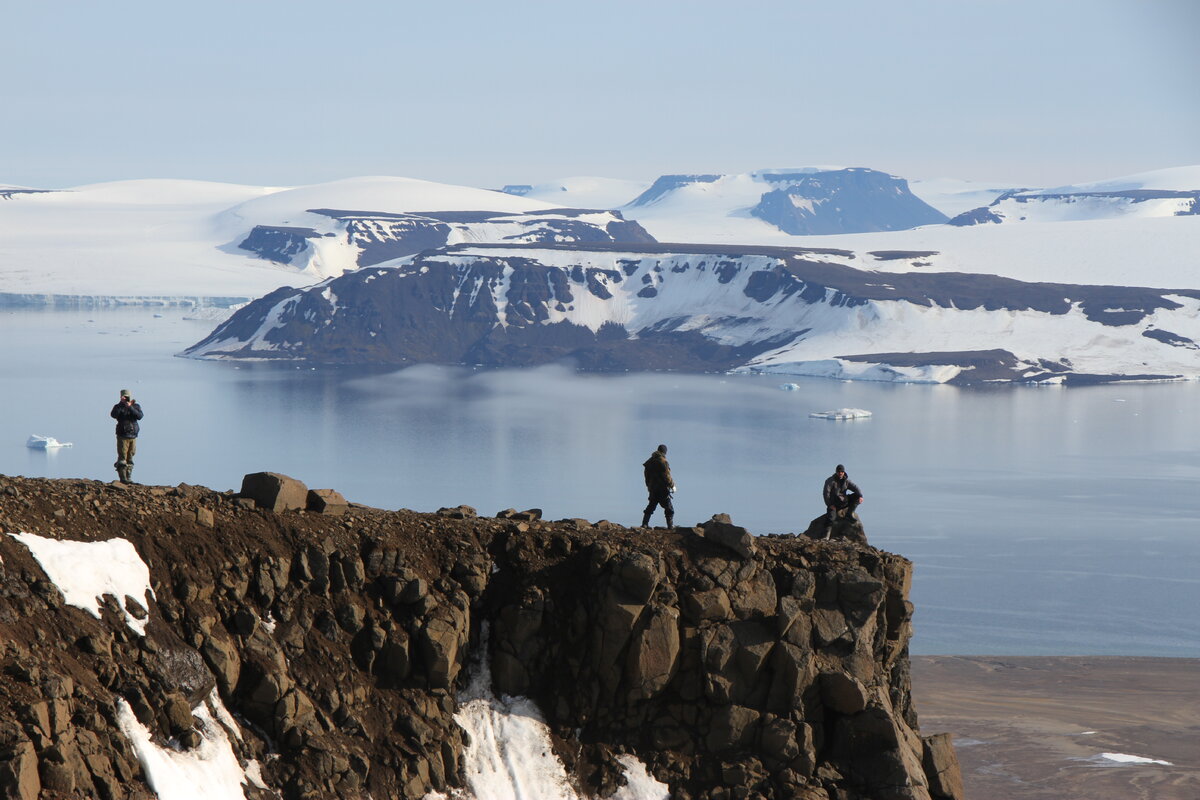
{"x":325,"y":650}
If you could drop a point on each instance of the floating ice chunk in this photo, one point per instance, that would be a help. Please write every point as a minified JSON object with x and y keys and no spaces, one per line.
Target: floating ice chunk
{"x":842,"y":413}
{"x":44,"y":442}
{"x":790,"y":387}
{"x":209,"y":772}
{"x":85,"y":571}
{"x":1122,"y":758}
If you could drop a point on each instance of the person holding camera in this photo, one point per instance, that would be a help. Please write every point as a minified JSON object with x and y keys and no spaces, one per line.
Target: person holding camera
{"x":126,"y":412}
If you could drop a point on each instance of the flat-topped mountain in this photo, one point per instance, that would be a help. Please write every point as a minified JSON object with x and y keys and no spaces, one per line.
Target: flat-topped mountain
{"x":711,"y":308}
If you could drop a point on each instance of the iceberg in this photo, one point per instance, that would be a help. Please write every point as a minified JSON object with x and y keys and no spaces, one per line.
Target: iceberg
{"x":842,"y":413}
{"x":790,"y":387}
{"x":44,"y":442}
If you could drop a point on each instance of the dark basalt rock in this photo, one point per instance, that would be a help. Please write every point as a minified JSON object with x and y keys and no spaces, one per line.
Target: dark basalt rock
{"x":383,"y":236}
{"x":340,"y":645}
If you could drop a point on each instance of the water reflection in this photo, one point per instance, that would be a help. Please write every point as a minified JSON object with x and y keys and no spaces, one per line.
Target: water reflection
{"x":1040,"y":520}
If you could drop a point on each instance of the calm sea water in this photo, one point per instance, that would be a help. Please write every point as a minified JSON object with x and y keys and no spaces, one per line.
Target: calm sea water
{"x":1041,"y":521}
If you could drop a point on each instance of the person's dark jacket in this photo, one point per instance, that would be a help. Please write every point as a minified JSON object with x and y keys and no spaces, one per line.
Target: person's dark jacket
{"x":835,"y":489}
{"x":127,"y":417}
{"x":658,"y":474}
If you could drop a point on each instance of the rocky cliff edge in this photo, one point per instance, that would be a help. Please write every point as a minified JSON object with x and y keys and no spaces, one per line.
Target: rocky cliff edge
{"x":329,"y":649}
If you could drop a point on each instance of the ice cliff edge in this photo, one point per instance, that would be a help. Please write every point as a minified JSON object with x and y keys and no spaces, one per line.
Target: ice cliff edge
{"x":325,"y":652}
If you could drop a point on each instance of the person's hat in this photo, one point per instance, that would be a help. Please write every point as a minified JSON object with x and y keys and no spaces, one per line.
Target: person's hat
{"x":125,"y":393}
{"x":662,"y":448}
{"x":840,"y":468}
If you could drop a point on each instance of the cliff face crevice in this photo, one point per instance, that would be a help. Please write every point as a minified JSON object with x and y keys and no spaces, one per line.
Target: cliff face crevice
{"x":731,"y":666}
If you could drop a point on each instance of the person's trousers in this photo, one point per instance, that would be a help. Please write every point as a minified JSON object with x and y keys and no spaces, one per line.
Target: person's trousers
{"x":125,"y":450}
{"x":663,"y":500}
{"x":846,"y":503}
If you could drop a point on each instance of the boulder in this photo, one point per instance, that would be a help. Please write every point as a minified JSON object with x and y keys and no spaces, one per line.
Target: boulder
{"x":438,"y":644}
{"x":849,"y":528}
{"x":274,"y":492}
{"x":19,"y":772}
{"x":843,"y":693}
{"x":654,"y":654}
{"x":712,"y":604}
{"x":458,"y":512}
{"x":720,"y":530}
{"x":636,"y":575}
{"x":222,"y":657}
{"x":941,"y":767}
{"x":733,"y":728}
{"x":326,"y":501}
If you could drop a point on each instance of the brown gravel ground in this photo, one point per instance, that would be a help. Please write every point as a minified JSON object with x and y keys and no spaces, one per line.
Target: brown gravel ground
{"x":1033,"y":728}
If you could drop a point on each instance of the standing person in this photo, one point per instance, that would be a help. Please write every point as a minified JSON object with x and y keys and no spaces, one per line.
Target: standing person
{"x":126,"y":412}
{"x":659,"y":484}
{"x":839,"y":493}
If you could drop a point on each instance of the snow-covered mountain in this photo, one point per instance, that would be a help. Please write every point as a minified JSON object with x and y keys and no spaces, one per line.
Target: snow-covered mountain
{"x":790,"y":311}
{"x":777,"y":204}
{"x":1163,"y":193}
{"x":582,"y":192}
{"x":353,"y":239}
{"x":172,"y":240}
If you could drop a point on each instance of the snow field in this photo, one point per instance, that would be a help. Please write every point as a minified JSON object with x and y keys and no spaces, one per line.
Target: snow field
{"x":1123,"y":758}
{"x":86,"y":571}
{"x":510,"y":755}
{"x":208,"y":772}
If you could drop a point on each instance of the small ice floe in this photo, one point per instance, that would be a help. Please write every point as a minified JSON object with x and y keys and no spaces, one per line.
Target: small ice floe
{"x":790,"y":387}
{"x":44,"y":442}
{"x":842,"y":413}
{"x":1122,"y":758}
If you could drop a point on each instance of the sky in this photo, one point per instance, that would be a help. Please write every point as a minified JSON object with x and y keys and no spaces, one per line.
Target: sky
{"x":1026,"y":92}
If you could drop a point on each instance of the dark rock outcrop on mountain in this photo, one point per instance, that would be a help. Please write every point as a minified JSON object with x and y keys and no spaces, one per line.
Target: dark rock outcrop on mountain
{"x":843,"y":201}
{"x":381,"y":236}
{"x":734,"y":667}
{"x":9,"y":192}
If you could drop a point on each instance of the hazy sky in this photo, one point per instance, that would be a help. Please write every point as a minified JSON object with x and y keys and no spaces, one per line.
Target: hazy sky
{"x":1031,"y":92}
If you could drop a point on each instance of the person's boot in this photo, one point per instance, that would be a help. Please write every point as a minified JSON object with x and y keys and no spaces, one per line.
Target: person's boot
{"x":120,"y":468}
{"x":670,"y":522}
{"x":128,"y":473}
{"x":646,"y":519}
